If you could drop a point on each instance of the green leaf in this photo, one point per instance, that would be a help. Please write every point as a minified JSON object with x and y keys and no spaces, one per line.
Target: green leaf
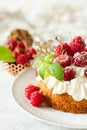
{"x":5,"y":51}
{"x":44,"y":66}
{"x":40,"y":60}
{"x":49,"y":57}
{"x":6,"y":54}
{"x":8,"y":59}
{"x":55,"y":70}
{"x":37,"y":63}
{"x":42,"y":69}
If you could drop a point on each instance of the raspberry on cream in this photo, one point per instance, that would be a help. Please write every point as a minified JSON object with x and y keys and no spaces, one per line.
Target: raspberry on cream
{"x":76,"y":87}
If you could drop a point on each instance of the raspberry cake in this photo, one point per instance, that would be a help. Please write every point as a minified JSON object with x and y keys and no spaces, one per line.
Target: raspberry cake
{"x":63,"y":77}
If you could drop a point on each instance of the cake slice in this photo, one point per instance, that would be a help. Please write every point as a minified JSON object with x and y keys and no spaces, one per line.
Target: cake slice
{"x":62,"y":77}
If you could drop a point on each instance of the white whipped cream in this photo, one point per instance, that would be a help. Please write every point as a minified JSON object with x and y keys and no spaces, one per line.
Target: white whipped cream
{"x":77,"y":87}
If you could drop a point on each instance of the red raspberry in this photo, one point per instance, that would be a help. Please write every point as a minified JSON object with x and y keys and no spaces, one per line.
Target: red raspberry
{"x":67,"y":49}
{"x":11,"y":44}
{"x":30,"y":89}
{"x":80,"y":59}
{"x":64,"y":60}
{"x":21,"y":47}
{"x":85,"y":50}
{"x":16,"y":53}
{"x":63,"y":48}
{"x":85,"y":72}
{"x":21,"y":59}
{"x":59,"y":49}
{"x":36,"y":99}
{"x":77,"y":44}
{"x":20,"y":44}
{"x":69,"y":73}
{"x":30,"y":52}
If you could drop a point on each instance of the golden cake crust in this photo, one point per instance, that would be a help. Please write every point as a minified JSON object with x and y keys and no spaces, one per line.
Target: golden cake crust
{"x":62,"y":102}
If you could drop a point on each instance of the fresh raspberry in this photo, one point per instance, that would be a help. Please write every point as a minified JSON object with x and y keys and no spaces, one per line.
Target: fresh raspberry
{"x":16,"y":53}
{"x":85,"y":50}
{"x":59,"y":49}
{"x":69,"y":73}
{"x":30,"y":89}
{"x":67,"y":49}
{"x":64,"y":60}
{"x":21,"y":47}
{"x":77,"y":44}
{"x":21,"y":59}
{"x":20,"y":44}
{"x":63,"y":48}
{"x":85,"y":72}
{"x":80,"y":59}
{"x":30,"y":52}
{"x":36,"y":99}
{"x":11,"y":44}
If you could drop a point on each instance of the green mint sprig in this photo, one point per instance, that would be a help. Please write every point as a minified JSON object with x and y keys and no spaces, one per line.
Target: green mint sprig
{"x":6,"y":55}
{"x":45,"y":65}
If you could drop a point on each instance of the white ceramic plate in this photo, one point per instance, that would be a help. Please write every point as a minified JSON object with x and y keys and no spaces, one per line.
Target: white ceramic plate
{"x":46,"y":114}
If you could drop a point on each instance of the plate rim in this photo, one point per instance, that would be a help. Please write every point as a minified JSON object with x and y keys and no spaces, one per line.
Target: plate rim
{"x":36,"y":116}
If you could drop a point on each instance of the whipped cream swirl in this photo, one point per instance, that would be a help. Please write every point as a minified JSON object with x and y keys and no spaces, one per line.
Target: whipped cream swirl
{"x":77,"y":87}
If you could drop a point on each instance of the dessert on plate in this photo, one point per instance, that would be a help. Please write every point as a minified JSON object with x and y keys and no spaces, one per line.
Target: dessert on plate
{"x":62,"y":77}
{"x":18,"y":52}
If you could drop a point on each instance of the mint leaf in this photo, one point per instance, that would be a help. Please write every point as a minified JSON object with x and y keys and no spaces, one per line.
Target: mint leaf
{"x":49,"y":57}
{"x":42,"y":69}
{"x":6,"y":54}
{"x":5,"y":51}
{"x":37,"y":63}
{"x":55,"y":70}
{"x":7,"y":59}
{"x":44,"y":66}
